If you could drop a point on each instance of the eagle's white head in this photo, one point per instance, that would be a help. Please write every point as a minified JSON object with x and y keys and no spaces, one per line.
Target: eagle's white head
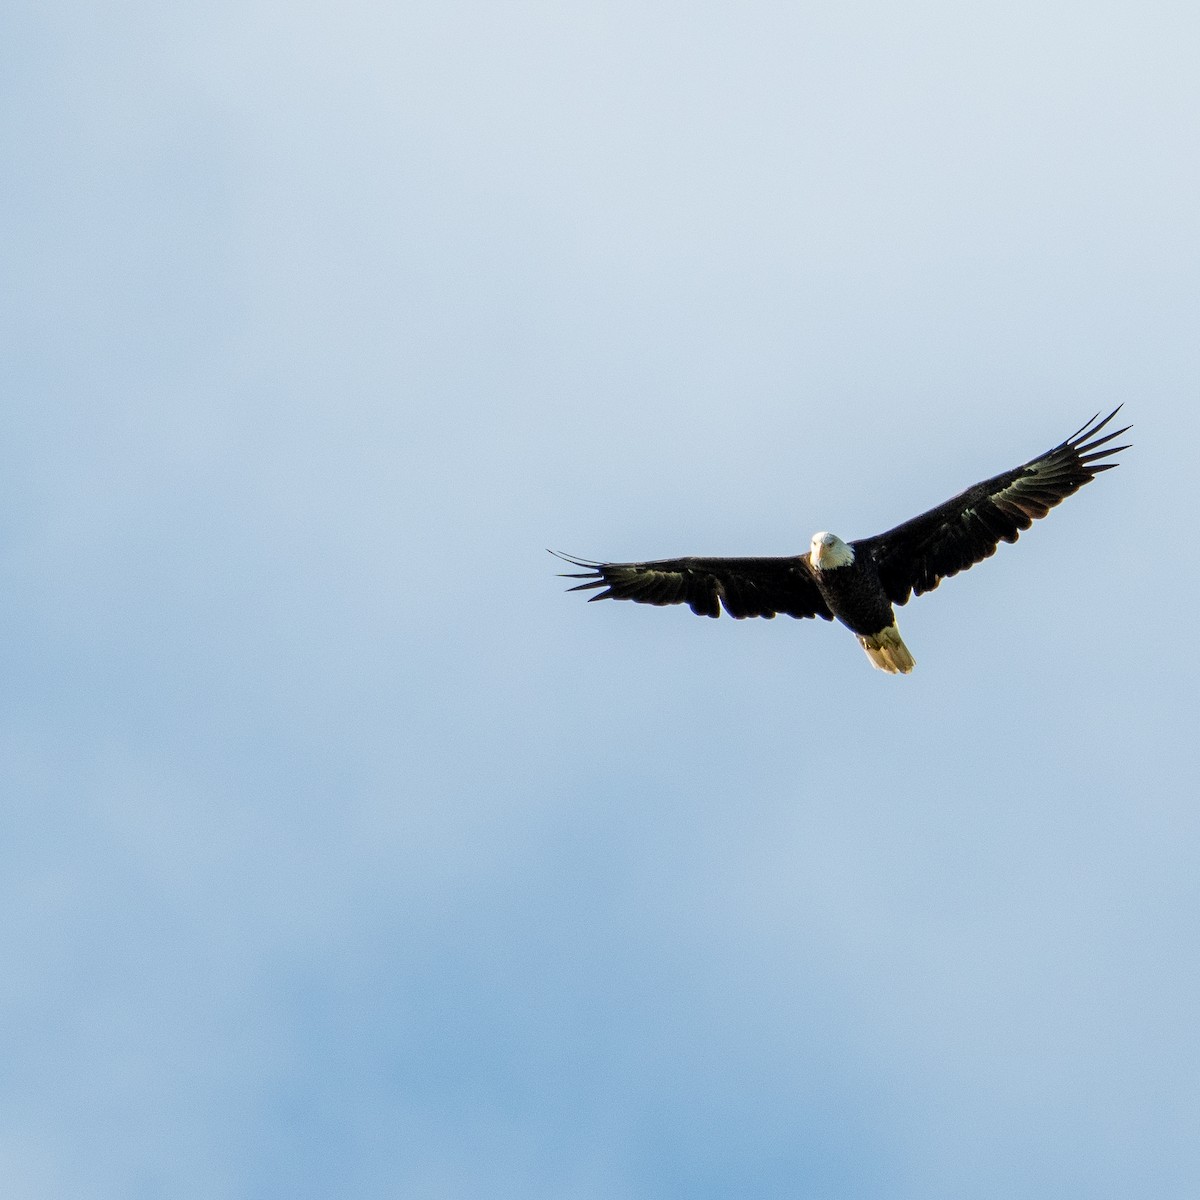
{"x":829,"y":551}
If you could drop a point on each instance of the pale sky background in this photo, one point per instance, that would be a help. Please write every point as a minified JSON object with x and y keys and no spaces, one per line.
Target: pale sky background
{"x":342,"y":854}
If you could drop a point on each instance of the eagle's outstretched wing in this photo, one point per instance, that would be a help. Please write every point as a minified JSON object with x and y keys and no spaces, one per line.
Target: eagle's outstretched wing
{"x":745,"y":587}
{"x":918,"y":555}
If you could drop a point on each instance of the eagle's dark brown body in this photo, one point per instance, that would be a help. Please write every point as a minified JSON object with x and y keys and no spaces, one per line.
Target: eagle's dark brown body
{"x":855,"y":596}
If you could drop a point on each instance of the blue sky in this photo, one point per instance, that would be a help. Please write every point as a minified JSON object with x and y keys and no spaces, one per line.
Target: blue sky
{"x":341,"y":852}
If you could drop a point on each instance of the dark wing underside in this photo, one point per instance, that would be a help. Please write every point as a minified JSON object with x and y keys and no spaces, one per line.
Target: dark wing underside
{"x":745,"y":587}
{"x":918,"y":555}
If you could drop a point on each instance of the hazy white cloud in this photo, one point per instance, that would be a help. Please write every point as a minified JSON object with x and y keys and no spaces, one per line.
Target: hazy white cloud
{"x":341,"y":851}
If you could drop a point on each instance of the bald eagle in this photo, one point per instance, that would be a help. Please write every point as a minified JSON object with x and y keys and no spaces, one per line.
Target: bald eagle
{"x":858,"y":582}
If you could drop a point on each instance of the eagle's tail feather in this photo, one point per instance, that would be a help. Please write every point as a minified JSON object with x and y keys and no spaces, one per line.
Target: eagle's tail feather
{"x":886,"y":651}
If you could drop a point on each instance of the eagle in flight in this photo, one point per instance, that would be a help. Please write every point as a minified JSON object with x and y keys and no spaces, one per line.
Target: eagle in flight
{"x":858,"y":582}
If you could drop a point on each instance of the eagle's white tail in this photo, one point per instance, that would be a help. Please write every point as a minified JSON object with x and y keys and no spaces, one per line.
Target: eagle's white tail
{"x":886,"y":651}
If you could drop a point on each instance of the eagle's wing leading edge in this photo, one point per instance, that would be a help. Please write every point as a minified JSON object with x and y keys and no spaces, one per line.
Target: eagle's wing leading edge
{"x":744,"y":587}
{"x":918,"y":555}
